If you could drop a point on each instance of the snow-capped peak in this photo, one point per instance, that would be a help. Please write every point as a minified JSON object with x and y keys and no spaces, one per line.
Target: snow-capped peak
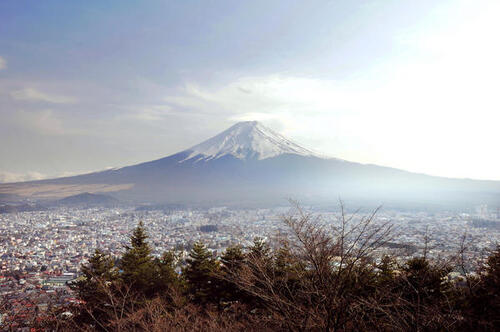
{"x":246,"y":140}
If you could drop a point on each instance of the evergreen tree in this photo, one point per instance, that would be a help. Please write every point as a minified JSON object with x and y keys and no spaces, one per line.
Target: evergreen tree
{"x":492,"y":275}
{"x":387,"y":267}
{"x":284,"y":263}
{"x":260,"y":264}
{"x":166,"y":276}
{"x":199,"y":274}
{"x":96,"y":285}
{"x":483,"y":305}
{"x":288,"y":270}
{"x":424,"y":279}
{"x":232,"y":260}
{"x":260,"y":249}
{"x":137,"y":264}
{"x":259,"y":255}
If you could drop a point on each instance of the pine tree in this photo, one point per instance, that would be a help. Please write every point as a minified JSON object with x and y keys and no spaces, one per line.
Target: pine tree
{"x":232,"y":260}
{"x":492,"y":275}
{"x":284,"y":262}
{"x":167,"y":278}
{"x":388,"y":267}
{"x":259,"y":254}
{"x":483,"y":305}
{"x":260,"y":249}
{"x":96,"y":285}
{"x":99,"y":271}
{"x":199,"y":274}
{"x":288,"y":270}
{"x":137,"y":263}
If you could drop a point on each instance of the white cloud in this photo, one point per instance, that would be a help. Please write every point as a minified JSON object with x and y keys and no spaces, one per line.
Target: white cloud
{"x":433,"y":108}
{"x":31,"y":94}
{"x":7,"y":177}
{"x":3,"y":63}
{"x":415,"y":118}
{"x":44,"y":122}
{"x":150,"y":113}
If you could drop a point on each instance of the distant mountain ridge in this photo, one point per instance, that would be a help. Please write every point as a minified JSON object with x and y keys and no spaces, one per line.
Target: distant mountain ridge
{"x":251,"y":164}
{"x":88,"y":199}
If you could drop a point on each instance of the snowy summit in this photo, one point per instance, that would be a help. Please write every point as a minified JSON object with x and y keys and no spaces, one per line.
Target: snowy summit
{"x":246,"y":140}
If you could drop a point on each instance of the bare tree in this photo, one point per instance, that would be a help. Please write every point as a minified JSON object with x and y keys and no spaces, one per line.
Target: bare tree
{"x":329,"y":265}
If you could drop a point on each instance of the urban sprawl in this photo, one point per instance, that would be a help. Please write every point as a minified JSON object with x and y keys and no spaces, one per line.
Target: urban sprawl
{"x":41,"y":252}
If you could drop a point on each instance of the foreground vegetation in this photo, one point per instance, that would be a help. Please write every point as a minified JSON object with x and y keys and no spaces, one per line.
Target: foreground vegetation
{"x":317,"y":279}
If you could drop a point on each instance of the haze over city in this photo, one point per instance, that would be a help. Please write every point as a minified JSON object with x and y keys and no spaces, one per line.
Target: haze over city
{"x":410,"y":85}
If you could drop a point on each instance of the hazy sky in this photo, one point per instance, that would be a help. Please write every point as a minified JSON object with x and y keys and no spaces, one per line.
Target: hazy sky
{"x":86,"y":85}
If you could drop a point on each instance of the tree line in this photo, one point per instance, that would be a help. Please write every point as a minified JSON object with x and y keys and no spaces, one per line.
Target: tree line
{"x":320,"y":278}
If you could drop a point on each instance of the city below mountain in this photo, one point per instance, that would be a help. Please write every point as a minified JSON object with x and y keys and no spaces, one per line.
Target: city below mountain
{"x":249,"y":164}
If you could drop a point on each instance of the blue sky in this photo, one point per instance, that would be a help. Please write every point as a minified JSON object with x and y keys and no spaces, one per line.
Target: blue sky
{"x":90,"y":85}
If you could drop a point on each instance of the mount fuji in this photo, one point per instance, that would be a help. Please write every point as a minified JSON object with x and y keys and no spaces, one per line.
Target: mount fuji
{"x":246,"y":140}
{"x":250,"y":164}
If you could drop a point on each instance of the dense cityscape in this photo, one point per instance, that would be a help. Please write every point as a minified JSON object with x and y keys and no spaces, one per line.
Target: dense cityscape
{"x":42,"y":251}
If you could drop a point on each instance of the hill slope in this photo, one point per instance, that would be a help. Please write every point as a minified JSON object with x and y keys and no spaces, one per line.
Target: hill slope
{"x":88,"y":199}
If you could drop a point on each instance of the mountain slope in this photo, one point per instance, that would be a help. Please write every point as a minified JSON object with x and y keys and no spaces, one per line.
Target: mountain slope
{"x":249,"y":163}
